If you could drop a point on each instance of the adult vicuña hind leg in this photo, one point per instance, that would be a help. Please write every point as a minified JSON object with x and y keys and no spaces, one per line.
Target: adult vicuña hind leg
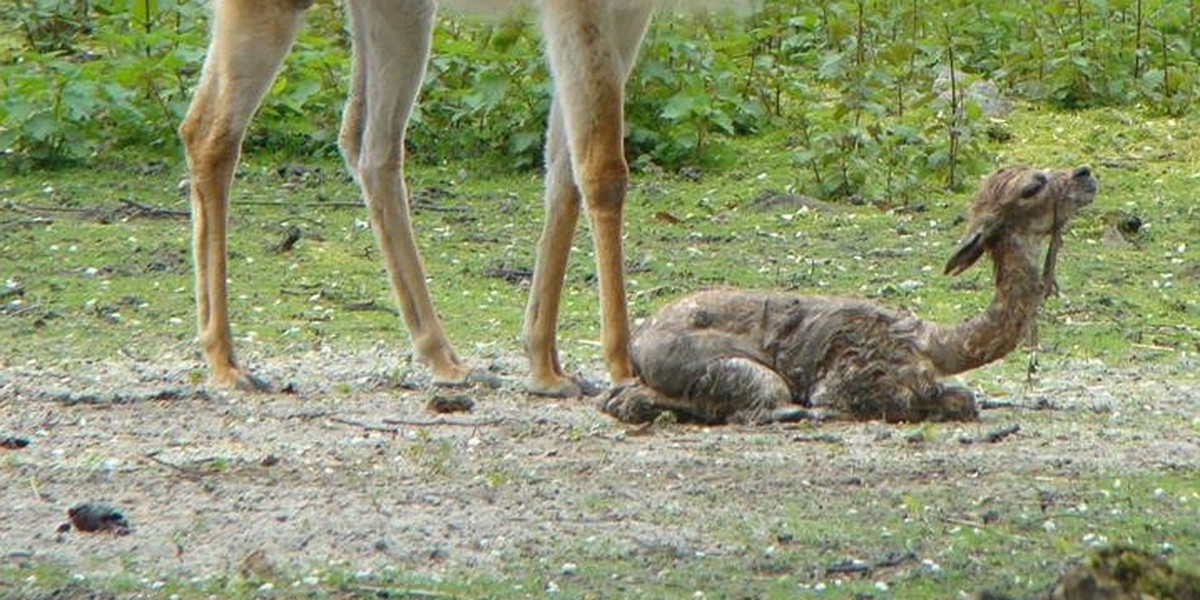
{"x":391,"y":46}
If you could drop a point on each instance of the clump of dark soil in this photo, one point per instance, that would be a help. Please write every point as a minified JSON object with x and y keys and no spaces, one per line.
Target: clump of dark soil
{"x":1120,"y":573}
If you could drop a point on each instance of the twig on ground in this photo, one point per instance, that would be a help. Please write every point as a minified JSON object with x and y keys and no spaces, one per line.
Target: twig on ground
{"x":370,"y":305}
{"x":276,"y":204}
{"x":444,"y":421}
{"x":143,"y":210}
{"x":848,"y":566}
{"x":192,"y":474}
{"x":22,"y":223}
{"x":33,"y":209}
{"x":419,"y":204}
{"x":378,"y":591}
{"x":307,"y":415}
{"x":366,"y":426}
{"x":964,"y":522}
{"x":824,"y":438}
{"x":980,"y":525}
{"x":401,"y":423}
{"x":21,"y":311}
{"x":992,"y":436}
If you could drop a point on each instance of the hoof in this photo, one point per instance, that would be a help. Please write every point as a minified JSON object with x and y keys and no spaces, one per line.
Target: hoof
{"x":241,"y":380}
{"x":958,"y":404}
{"x":632,"y":404}
{"x":250,"y":382}
{"x":567,"y":387}
{"x":471,"y":378}
{"x":563,"y":386}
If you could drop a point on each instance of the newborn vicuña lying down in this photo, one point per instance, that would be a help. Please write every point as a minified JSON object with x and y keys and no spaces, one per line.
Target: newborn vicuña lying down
{"x":760,"y":356}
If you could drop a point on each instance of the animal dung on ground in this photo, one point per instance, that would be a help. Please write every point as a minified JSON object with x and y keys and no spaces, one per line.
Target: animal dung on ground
{"x":450,"y":404}
{"x":13,"y":442}
{"x":94,"y":517}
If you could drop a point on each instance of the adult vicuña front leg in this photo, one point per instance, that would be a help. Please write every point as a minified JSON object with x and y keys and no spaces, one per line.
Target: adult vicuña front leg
{"x":592,"y":47}
{"x":392,"y":40}
{"x":249,"y":40}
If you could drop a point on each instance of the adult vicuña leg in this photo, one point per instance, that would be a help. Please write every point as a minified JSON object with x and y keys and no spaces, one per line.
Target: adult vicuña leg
{"x":392,"y":40}
{"x":249,"y":40}
{"x":561,"y":200}
{"x":591,"y":48}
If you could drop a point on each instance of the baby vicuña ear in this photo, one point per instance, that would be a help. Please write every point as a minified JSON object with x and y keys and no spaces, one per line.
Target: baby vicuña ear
{"x":966,"y":255}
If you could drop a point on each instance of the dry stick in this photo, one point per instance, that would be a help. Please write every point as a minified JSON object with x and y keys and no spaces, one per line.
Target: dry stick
{"x":24,"y":310}
{"x":154,"y":211}
{"x":366,"y":426}
{"x":983,"y":527}
{"x":370,"y":305}
{"x":187,"y":473}
{"x":143,"y":209}
{"x":34,"y":208}
{"x":277,"y":204}
{"x":30,"y":222}
{"x":416,"y":205}
{"x":391,"y":592}
{"x":306,"y":415}
{"x":445,"y":421}
{"x":415,"y":423}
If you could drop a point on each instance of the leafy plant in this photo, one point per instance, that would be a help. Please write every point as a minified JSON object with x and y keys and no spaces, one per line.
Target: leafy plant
{"x":50,"y":25}
{"x":860,"y":84}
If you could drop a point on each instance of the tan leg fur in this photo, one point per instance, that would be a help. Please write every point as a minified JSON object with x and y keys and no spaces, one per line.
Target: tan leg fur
{"x":591,"y":46}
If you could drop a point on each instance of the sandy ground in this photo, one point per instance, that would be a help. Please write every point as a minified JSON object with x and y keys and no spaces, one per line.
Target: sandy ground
{"x":348,"y":467}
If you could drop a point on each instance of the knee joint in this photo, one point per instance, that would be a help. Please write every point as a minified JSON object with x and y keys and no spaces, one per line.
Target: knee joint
{"x":604,"y":188}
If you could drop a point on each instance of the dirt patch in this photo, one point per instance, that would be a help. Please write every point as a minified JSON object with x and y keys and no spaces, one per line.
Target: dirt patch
{"x":348,"y":466}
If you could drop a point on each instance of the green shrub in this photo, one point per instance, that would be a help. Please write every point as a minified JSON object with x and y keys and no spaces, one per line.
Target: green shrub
{"x":860,"y":85}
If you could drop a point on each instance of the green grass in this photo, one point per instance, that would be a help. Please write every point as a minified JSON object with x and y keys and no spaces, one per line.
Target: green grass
{"x":98,"y":283}
{"x":95,"y":287}
{"x":1016,"y":542}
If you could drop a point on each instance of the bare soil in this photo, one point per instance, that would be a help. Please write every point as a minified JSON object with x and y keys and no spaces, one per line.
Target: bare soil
{"x":347,"y":466}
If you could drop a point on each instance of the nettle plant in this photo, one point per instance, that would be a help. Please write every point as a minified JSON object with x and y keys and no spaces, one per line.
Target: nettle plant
{"x":92,"y":75}
{"x":487,"y":93}
{"x":871,"y":93}
{"x":874,"y":99}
